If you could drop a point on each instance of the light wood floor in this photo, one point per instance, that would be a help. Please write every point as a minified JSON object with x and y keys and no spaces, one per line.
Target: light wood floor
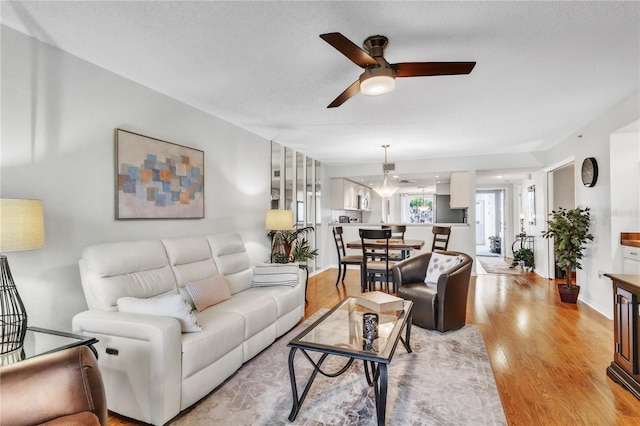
{"x":548,"y":358}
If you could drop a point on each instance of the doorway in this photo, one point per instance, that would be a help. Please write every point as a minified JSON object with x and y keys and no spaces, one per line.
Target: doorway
{"x":560,"y":193}
{"x":490,"y":221}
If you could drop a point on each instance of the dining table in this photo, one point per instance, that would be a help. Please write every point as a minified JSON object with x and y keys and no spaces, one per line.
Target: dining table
{"x":394,"y":244}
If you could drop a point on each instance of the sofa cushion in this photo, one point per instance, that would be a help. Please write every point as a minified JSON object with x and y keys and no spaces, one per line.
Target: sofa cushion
{"x":129,"y":269}
{"x":440,"y":264}
{"x":231,"y":259}
{"x":190,"y":259}
{"x":259,"y":312}
{"x":287,"y":298}
{"x":169,"y":305}
{"x":271,"y":274}
{"x":208,"y":292}
{"x":221,"y":333}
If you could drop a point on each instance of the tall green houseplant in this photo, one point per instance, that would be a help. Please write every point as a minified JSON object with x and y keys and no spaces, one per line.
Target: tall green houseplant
{"x":569,"y":229}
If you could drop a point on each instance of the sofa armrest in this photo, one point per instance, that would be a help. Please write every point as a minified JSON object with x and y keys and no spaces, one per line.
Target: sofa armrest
{"x":411,"y":270}
{"x":138,"y":355}
{"x":55,"y":387}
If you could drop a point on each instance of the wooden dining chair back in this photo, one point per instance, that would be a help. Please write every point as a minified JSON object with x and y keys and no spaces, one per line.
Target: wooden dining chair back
{"x":397,"y":232}
{"x":441,"y":236}
{"x":376,"y":265}
{"x":344,"y":259}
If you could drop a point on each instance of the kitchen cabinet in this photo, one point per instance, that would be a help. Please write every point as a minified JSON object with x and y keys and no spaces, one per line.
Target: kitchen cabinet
{"x":630,"y":260}
{"x":459,"y":189}
{"x":624,"y":369}
{"x":346,"y":194}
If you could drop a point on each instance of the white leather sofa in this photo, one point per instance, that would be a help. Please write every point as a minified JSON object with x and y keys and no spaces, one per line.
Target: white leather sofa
{"x":151,"y":369}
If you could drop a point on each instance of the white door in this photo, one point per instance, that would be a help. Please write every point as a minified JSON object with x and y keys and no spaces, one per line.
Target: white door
{"x":480,"y":223}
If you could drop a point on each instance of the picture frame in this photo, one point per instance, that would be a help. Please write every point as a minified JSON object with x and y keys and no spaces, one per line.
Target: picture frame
{"x":156,"y":179}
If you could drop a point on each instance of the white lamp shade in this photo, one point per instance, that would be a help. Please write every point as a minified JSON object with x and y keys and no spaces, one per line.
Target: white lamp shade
{"x":279,"y":220}
{"x":377,"y":85}
{"x":21,"y":225}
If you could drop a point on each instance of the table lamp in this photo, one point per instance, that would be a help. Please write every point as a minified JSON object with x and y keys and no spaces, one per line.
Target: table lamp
{"x":21,"y":228}
{"x":278,"y":221}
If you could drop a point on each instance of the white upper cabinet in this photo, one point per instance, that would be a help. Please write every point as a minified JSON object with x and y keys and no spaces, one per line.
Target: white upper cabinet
{"x":459,"y":187}
{"x":345,"y":193}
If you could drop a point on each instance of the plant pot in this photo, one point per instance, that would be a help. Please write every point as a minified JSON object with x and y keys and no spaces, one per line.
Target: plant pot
{"x":568,"y":294}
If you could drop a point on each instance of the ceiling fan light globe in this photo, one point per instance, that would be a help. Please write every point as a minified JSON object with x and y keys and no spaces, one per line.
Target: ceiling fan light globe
{"x":377,"y":85}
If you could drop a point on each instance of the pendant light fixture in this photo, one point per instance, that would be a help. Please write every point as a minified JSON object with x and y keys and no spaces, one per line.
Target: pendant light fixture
{"x":423,"y":203}
{"x":386,"y":190}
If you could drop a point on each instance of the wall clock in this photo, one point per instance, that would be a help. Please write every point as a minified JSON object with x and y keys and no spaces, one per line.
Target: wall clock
{"x":589,"y":172}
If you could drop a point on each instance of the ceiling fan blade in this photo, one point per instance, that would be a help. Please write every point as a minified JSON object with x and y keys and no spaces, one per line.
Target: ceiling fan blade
{"x":417,"y":69}
{"x":351,"y":90}
{"x":349,"y":49}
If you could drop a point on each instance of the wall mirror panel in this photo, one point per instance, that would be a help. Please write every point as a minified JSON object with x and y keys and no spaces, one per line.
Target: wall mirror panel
{"x":295,"y":186}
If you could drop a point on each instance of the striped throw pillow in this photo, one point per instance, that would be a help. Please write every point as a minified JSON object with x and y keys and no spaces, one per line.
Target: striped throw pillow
{"x":208,"y":292}
{"x":271,"y":274}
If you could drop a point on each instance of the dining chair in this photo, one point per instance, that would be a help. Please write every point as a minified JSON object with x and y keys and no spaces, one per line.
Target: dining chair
{"x":397,"y":232}
{"x":343,"y":258}
{"x":376,"y":265}
{"x":440,"y":237}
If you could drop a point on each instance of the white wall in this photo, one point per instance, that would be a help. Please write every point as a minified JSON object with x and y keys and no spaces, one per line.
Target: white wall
{"x":625,"y":188}
{"x":595,"y":290}
{"x":58,"y":119}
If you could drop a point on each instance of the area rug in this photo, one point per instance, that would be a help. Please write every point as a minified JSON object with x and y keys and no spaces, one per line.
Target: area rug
{"x":446,"y":380}
{"x":498,"y":265}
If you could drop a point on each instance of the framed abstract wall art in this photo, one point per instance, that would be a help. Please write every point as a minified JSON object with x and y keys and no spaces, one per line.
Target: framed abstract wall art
{"x":156,"y":179}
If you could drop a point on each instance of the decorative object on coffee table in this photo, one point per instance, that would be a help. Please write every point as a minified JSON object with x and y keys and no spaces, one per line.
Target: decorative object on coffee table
{"x":379,"y":301}
{"x":21,"y":228}
{"x":569,"y":229}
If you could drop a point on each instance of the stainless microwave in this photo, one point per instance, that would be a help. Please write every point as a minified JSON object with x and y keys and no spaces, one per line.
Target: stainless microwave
{"x":363,"y":202}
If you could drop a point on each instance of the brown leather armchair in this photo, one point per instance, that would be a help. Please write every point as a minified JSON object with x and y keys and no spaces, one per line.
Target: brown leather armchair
{"x":61,"y":388}
{"x":441,"y":307}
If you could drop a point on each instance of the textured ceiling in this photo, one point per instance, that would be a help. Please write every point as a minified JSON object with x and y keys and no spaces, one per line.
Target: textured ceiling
{"x":544,"y":69}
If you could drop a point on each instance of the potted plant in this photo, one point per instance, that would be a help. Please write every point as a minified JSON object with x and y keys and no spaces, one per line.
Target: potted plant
{"x":524,"y":256}
{"x":569,"y":229}
{"x":296,"y":246}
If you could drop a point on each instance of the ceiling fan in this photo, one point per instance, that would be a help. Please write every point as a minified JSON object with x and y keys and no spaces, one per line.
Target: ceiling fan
{"x":379,"y":76}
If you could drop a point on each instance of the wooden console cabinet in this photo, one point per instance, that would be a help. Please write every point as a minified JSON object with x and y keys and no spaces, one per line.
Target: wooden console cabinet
{"x":625,"y":368}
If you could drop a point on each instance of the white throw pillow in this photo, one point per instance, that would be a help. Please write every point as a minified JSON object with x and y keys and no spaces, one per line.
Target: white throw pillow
{"x":275,"y":274}
{"x":440,"y":264}
{"x":169,"y":305}
{"x":208,"y":292}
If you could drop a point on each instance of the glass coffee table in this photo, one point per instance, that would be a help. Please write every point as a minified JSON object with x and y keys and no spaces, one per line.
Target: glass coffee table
{"x":339,"y":332}
{"x":40,"y":341}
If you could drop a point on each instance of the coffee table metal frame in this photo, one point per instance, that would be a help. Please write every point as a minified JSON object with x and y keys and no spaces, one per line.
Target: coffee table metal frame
{"x":375,"y":359}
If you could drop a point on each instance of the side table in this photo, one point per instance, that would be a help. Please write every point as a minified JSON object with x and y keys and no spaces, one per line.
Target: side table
{"x":40,"y":341}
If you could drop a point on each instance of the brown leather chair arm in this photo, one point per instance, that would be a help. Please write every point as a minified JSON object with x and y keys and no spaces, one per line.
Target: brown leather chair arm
{"x":48,"y":387}
{"x":411,"y":270}
{"x":453,"y":288}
